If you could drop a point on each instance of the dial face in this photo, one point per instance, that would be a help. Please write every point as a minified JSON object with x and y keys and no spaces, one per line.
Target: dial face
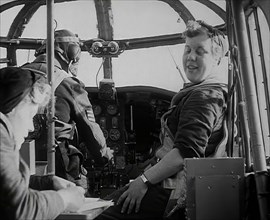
{"x":112,"y":109}
{"x":114,"y":134}
{"x":97,"y":109}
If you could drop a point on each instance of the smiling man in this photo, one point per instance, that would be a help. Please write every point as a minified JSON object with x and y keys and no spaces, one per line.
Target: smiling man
{"x":193,"y":127}
{"x":203,"y":52}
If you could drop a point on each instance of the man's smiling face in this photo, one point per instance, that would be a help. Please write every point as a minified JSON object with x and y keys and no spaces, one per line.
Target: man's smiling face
{"x":198,"y":60}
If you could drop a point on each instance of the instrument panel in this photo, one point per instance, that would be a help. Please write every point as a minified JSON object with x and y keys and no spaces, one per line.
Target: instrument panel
{"x":130,"y":121}
{"x":109,"y":118}
{"x":130,"y":118}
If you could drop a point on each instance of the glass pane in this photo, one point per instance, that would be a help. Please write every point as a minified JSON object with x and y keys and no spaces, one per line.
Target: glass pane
{"x":25,"y":56}
{"x":204,"y":13}
{"x":152,"y":67}
{"x":90,"y":70}
{"x":67,"y":17}
{"x":3,"y":54}
{"x":6,"y":19}
{"x":145,"y":18}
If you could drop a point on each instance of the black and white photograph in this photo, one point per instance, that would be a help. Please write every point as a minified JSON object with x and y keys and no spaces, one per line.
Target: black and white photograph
{"x":135,"y":109}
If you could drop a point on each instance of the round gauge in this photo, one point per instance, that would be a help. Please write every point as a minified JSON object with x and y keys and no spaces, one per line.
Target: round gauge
{"x":114,"y":134}
{"x":97,"y":109}
{"x":112,"y":109}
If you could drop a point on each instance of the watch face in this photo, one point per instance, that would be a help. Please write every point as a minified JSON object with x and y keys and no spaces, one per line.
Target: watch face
{"x":144,"y":179}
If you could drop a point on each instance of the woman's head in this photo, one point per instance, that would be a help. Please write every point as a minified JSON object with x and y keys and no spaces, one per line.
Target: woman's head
{"x":205,"y":46}
{"x":22,"y":92}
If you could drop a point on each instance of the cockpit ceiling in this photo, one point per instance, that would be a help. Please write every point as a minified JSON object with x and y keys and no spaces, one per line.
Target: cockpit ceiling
{"x":113,"y":19}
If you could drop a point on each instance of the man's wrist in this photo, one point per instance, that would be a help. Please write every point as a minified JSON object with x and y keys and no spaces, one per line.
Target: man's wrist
{"x":145,"y":180}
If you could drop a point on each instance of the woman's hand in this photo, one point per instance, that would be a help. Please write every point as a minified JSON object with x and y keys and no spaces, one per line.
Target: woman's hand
{"x":60,"y":183}
{"x":133,"y":196}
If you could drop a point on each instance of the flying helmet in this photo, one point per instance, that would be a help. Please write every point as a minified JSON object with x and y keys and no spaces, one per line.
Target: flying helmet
{"x":67,"y":46}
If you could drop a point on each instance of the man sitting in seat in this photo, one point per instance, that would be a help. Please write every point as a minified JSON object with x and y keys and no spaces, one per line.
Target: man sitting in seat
{"x":192,"y":128}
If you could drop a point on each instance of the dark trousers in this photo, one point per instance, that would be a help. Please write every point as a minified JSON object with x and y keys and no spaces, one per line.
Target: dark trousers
{"x":152,"y":206}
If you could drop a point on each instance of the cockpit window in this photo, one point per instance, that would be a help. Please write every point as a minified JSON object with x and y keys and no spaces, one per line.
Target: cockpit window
{"x":146,"y":18}
{"x":6,"y":19}
{"x":204,"y":13}
{"x":157,"y":66}
{"x":80,"y":17}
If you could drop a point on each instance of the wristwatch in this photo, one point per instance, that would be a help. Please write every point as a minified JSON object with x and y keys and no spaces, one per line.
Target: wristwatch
{"x":146,"y":181}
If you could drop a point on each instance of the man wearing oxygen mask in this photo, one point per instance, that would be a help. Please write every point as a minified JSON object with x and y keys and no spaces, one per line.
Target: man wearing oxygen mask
{"x":73,"y":110}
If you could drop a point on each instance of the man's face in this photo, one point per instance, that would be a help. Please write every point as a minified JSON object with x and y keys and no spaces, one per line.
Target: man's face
{"x":198,"y":60}
{"x":22,"y":121}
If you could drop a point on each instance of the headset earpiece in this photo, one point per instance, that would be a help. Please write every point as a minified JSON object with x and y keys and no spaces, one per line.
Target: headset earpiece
{"x":73,"y":52}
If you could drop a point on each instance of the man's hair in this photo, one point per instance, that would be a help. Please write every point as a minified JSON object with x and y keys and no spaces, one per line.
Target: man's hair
{"x":219,"y":42}
{"x":40,"y":93}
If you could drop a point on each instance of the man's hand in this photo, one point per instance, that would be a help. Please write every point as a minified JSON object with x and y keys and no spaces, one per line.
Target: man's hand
{"x":133,"y":196}
{"x":60,"y":183}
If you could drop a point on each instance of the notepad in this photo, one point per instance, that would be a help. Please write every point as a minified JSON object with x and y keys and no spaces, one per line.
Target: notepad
{"x":94,"y":203}
{"x":91,"y":208}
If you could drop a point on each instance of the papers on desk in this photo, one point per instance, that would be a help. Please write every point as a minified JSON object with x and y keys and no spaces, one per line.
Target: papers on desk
{"x":90,"y":209}
{"x":94,"y":203}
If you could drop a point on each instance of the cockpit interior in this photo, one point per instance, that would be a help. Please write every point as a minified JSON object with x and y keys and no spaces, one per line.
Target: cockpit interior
{"x":131,"y":67}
